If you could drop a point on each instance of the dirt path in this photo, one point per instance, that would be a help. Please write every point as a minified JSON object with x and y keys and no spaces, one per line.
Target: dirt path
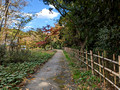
{"x":54,"y":75}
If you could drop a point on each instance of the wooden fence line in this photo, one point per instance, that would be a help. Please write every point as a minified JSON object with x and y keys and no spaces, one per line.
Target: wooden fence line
{"x":90,"y":60}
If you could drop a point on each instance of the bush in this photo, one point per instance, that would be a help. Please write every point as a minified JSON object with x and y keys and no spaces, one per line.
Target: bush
{"x":17,"y":56}
{"x":14,"y":73}
{"x":2,"y":52}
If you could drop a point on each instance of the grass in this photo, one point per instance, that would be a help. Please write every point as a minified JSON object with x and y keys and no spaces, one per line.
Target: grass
{"x":15,"y":73}
{"x":83,"y":79}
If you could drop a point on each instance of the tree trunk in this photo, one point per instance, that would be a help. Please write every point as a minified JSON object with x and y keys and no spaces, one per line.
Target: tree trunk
{"x":0,"y":3}
{"x":84,"y":43}
{"x":7,"y":3}
{"x":18,"y":44}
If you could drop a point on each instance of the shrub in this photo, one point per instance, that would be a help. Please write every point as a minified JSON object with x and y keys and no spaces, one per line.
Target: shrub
{"x":2,"y":52}
{"x":17,"y":56}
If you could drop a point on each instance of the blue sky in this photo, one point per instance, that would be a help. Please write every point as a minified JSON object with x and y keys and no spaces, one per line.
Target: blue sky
{"x":43,"y":16}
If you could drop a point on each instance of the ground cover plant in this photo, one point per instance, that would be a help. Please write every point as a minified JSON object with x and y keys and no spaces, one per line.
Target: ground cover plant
{"x":83,"y":79}
{"x":13,"y":74}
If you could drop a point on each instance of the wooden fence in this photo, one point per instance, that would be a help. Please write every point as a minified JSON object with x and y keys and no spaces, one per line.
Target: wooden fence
{"x":108,"y":70}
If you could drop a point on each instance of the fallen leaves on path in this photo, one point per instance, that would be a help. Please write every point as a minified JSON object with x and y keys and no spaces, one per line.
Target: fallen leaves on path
{"x":32,"y":79}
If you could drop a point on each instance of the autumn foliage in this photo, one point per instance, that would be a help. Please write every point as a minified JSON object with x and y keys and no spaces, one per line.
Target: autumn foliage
{"x":49,"y":32}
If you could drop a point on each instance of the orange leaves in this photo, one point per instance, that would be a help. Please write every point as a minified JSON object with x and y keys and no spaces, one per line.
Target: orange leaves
{"x":41,"y":43}
{"x":27,"y":88}
{"x":51,"y":33}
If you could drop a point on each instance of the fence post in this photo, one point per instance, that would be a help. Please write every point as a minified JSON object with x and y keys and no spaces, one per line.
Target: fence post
{"x":80,"y":57}
{"x":87,"y":59}
{"x":119,"y":67}
{"x":91,"y":54}
{"x":83,"y":55}
{"x":100,"y":64}
{"x":76,"y":53}
{"x":114,"y":69}
{"x":103,"y":70}
{"x":72,"y":52}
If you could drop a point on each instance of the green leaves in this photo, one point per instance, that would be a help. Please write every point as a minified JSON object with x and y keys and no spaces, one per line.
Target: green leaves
{"x":108,"y":39}
{"x":82,"y":78}
{"x":14,"y":73}
{"x":94,"y":19}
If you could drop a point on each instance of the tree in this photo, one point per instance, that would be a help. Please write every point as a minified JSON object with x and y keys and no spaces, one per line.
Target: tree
{"x":51,"y":35}
{"x":22,"y":22}
{"x":10,"y":12}
{"x":83,"y":20}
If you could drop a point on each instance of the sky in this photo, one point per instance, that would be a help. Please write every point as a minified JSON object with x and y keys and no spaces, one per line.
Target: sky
{"x":43,"y":15}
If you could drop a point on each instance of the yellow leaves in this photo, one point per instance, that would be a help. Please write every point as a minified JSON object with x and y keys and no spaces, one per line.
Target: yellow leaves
{"x":27,"y":88}
{"x":9,"y":13}
{"x":32,"y":79}
{"x":1,"y":7}
{"x":88,"y":87}
{"x":25,"y":80}
{"x":60,"y":1}
{"x":28,"y":80}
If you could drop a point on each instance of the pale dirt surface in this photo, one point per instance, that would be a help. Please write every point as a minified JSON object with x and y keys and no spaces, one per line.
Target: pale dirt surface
{"x":54,"y":75}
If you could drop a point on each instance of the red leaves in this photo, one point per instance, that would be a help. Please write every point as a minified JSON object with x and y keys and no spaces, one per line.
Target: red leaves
{"x":55,"y":32}
{"x":49,"y":31}
{"x":46,"y":38}
{"x":44,"y":28}
{"x":41,"y":43}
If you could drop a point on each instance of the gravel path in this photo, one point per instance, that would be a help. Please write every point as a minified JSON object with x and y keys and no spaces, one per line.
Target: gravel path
{"x":54,"y":75}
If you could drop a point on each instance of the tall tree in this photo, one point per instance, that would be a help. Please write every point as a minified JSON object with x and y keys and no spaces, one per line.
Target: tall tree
{"x":85,"y":20}
{"x":10,"y":14}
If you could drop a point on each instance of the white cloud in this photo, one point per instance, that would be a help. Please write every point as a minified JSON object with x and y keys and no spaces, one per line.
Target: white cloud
{"x":45,"y":13}
{"x":51,"y":6}
{"x":27,"y":27}
{"x":15,"y":21}
{"x":27,"y":14}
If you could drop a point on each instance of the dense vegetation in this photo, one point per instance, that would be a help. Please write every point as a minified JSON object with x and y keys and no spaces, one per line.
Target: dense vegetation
{"x":91,"y":24}
{"x":84,"y":80}
{"x":17,"y":60}
{"x":84,"y":24}
{"x":12,"y":73}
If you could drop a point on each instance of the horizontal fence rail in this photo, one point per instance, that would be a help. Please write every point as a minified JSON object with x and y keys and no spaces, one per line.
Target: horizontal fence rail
{"x":107,"y":69}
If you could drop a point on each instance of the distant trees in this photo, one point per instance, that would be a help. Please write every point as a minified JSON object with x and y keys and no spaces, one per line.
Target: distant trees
{"x":9,"y":11}
{"x":51,"y":36}
{"x":12,"y":18}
